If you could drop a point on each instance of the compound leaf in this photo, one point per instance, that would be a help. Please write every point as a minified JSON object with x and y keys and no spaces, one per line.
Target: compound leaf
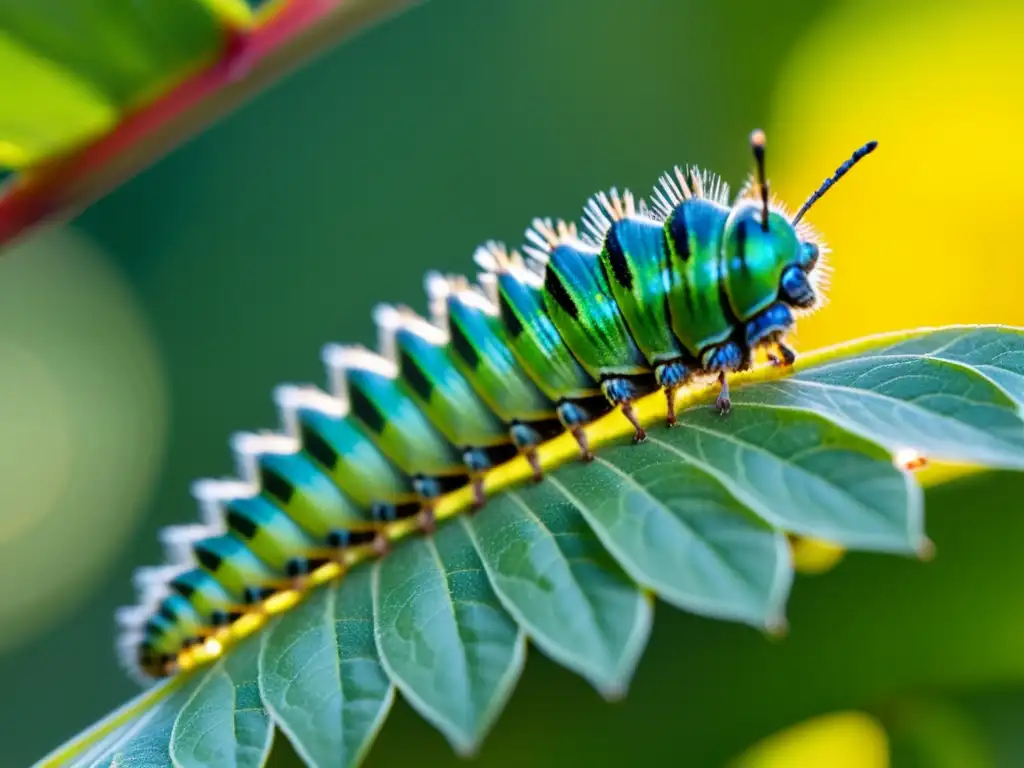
{"x":698,"y":515}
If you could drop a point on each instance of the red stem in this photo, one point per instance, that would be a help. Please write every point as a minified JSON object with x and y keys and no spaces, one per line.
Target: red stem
{"x":249,"y":61}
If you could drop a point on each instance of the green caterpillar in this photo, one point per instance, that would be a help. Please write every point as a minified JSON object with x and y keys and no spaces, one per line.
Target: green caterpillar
{"x":648,"y":297}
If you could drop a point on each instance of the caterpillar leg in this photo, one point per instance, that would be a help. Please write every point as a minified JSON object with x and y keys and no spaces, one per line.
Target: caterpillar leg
{"x":786,"y":355}
{"x":477,"y":462}
{"x":768,"y":329}
{"x":723,"y":403}
{"x":724,"y":358}
{"x":341,"y":539}
{"x":381,"y":544}
{"x":253,"y":597}
{"x":671,"y":376}
{"x":429,"y":489}
{"x":574,"y":418}
{"x":526,"y":439}
{"x":427,"y":519}
{"x":621,"y":392}
{"x":297,"y":569}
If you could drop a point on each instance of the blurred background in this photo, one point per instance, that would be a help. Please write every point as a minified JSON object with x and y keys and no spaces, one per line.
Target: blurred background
{"x":136,"y":338}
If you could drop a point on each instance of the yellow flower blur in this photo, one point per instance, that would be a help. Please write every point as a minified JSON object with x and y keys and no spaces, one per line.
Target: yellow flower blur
{"x":839,"y":740}
{"x":927,"y":229}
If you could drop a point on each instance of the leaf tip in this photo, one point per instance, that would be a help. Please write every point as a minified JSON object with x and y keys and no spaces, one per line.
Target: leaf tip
{"x":614,"y":691}
{"x":926,"y":550}
{"x":466,"y":748}
{"x":777,"y":628}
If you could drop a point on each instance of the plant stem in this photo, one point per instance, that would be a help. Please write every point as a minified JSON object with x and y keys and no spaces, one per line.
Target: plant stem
{"x":250,"y":60}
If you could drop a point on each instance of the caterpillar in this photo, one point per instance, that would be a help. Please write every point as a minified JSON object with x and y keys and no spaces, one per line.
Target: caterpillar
{"x":645,"y":296}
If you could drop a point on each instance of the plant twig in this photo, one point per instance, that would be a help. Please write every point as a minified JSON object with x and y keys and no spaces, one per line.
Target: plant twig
{"x":250,"y":61}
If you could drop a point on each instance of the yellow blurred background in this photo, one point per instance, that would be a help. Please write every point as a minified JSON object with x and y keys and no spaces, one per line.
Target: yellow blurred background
{"x":199,"y":285}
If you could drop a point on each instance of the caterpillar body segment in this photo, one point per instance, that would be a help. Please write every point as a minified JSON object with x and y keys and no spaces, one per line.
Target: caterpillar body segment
{"x":479,"y":346}
{"x":517,"y":288}
{"x":383,"y":407}
{"x":692,"y":230}
{"x":420,"y":351}
{"x":530,"y":333}
{"x":635,"y":260}
{"x":479,"y":342}
{"x":339,"y":448}
{"x":649,"y":297}
{"x":579,"y":299}
{"x":208,"y":597}
{"x":308,"y":497}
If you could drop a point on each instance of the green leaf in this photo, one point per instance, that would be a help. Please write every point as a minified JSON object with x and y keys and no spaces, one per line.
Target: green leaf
{"x":225,"y":722}
{"x":678,"y":531}
{"x":320,"y":675}
{"x":951,"y":396}
{"x":698,"y":515}
{"x":146,"y":741}
{"x":551,"y":573}
{"x":81,"y":65}
{"x":96,"y":90}
{"x":802,"y":473}
{"x":443,"y":636}
{"x":994,"y":351}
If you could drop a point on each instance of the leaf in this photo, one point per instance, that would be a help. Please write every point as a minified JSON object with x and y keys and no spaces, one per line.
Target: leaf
{"x":955,"y":398}
{"x":554,"y":577}
{"x":320,"y":675}
{"x":803,"y":474}
{"x":697,"y":515}
{"x":225,"y":722}
{"x":96,"y":91}
{"x":678,"y":531}
{"x":443,"y":636}
{"x":147,"y":741}
{"x":79,"y":66}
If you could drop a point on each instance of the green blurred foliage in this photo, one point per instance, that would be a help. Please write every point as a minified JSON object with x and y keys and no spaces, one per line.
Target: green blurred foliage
{"x":278,"y":229}
{"x":72,"y":68}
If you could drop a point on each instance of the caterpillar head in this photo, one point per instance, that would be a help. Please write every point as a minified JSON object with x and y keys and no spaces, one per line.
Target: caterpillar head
{"x":761,"y":236}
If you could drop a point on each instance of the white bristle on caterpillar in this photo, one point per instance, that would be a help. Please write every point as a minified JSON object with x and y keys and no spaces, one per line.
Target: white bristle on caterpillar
{"x":685,"y":183}
{"x":211,"y":496}
{"x":544,"y":235}
{"x":248,"y":447}
{"x":340,"y":357}
{"x":127,"y":650}
{"x":496,"y":260}
{"x":291,"y":398}
{"x":604,"y":209}
{"x":129,"y":617}
{"x":716,"y":189}
{"x":438,"y":290}
{"x":442,"y":289}
{"x":145,"y":577}
{"x":178,"y":540}
{"x":388,"y":321}
{"x":391,"y":319}
{"x":494,"y":256}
